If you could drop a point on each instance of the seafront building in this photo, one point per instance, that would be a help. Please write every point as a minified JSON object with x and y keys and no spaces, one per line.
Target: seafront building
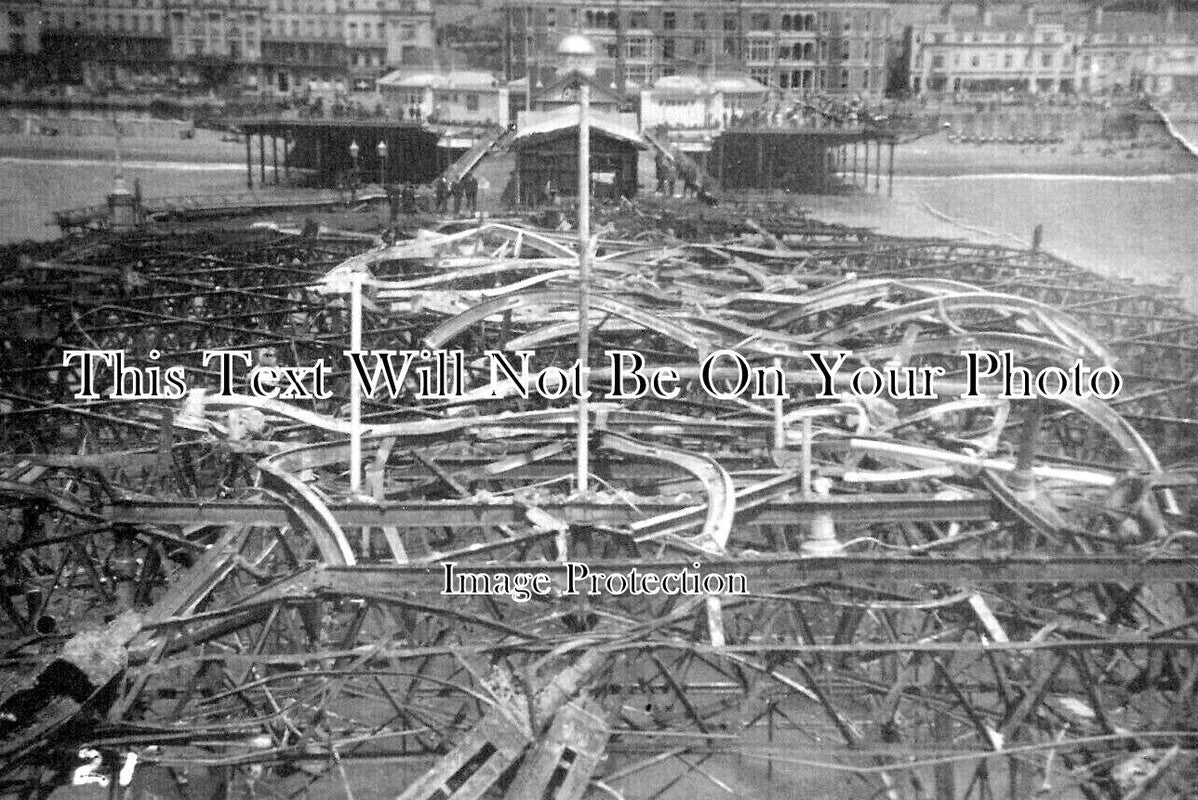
{"x":1054,"y":52}
{"x":461,"y":97}
{"x":797,"y":48}
{"x":271,"y":46}
{"x":827,"y":47}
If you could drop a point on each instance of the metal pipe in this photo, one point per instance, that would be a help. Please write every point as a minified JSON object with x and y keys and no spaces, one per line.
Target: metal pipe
{"x":355,"y":386}
{"x":584,"y":278}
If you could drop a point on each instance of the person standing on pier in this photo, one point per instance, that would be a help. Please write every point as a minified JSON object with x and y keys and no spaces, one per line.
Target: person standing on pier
{"x":441,"y":193}
{"x":470,"y":191}
{"x":455,"y":189}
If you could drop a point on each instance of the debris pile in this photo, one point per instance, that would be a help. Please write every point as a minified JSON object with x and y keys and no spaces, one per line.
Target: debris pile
{"x":1002,"y":583}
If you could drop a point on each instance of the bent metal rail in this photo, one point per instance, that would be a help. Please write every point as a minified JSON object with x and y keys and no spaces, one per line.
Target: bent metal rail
{"x":945,"y":597}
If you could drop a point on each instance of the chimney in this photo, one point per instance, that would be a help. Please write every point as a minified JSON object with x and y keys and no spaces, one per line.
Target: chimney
{"x":985,"y":13}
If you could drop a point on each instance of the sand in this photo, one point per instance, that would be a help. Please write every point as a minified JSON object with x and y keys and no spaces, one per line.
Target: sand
{"x":936,"y":156}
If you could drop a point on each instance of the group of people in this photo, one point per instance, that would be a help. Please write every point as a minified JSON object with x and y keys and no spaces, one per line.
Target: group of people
{"x":813,"y":110}
{"x":670,"y":171}
{"x":459,"y":191}
{"x":405,"y":199}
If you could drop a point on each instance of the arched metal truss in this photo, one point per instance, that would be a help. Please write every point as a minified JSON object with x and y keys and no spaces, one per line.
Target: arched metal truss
{"x":1009,"y":599}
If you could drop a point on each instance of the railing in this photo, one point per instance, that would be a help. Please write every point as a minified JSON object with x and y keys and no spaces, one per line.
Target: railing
{"x":470,"y":159}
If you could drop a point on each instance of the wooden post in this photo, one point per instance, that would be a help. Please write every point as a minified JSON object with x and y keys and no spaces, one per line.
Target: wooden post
{"x":249,"y":164}
{"x":286,"y":163}
{"x":319,"y":160}
{"x":890,"y":173}
{"x":878,"y":170}
{"x":760,"y":158}
{"x":866,"y":168}
{"x":274,"y":153}
{"x":823,"y":174}
{"x":723,"y":177}
{"x":261,"y":159}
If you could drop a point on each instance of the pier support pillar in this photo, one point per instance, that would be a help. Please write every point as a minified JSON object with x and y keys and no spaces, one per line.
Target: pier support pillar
{"x":723,"y":177}
{"x":262,"y":159}
{"x":318,"y":140}
{"x":760,"y":159}
{"x":878,"y":170}
{"x":249,"y":165}
{"x":865,"y":170}
{"x":274,"y":154}
{"x":890,"y":173}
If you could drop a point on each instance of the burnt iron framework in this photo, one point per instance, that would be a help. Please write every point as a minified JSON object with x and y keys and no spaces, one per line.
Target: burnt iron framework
{"x":812,"y":161}
{"x":323,"y":147}
{"x":947,"y":599}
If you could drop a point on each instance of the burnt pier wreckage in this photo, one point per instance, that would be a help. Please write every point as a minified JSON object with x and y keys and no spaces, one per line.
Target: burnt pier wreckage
{"x":946,"y":597}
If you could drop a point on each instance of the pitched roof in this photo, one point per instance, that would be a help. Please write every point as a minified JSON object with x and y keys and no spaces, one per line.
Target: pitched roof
{"x":459,"y":79}
{"x":566,"y":119}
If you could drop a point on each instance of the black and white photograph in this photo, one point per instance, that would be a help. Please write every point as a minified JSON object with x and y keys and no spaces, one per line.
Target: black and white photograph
{"x":606,"y":400}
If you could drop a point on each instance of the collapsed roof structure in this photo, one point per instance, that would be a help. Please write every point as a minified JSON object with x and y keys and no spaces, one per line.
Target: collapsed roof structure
{"x":946,"y":597}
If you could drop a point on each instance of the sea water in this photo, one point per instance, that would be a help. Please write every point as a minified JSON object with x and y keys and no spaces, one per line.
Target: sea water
{"x":34,"y":188}
{"x":1139,"y":227}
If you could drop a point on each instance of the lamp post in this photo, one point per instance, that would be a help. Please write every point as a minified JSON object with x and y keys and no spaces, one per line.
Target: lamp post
{"x":354,"y":150}
{"x":578,"y":57}
{"x":382,"y":153}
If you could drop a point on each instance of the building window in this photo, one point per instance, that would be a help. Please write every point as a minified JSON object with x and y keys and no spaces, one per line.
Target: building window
{"x":763,"y":75}
{"x":844,"y":79}
{"x":730,"y":48}
{"x":700,"y":22}
{"x":760,"y":50}
{"x":730,"y":22}
{"x":16,"y":20}
{"x":1008,"y":61}
{"x":937,"y":62}
{"x":638,"y":47}
{"x":759,"y":22}
{"x":669,"y":20}
{"x":700,"y":47}
{"x":1046,"y":60}
{"x":471,"y":101}
{"x":639,"y":19}
{"x":667,"y":48}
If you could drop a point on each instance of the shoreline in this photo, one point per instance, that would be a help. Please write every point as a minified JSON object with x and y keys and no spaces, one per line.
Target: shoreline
{"x":205,"y":148}
{"x":928,"y":158}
